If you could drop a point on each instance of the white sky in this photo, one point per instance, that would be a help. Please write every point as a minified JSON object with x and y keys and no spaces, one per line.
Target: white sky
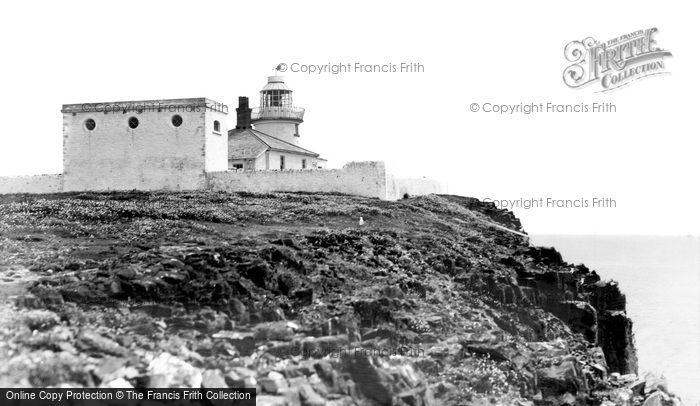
{"x":644,"y":156}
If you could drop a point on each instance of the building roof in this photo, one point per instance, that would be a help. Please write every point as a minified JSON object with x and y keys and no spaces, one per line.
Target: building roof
{"x":168,"y":105}
{"x":275,"y":83}
{"x":272,"y":143}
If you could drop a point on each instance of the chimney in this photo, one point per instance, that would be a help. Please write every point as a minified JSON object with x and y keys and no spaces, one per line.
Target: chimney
{"x":243,"y":114}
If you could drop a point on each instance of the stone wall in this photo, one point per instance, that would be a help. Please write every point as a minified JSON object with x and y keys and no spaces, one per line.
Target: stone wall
{"x":397,"y":187}
{"x":368,"y":179}
{"x":357,"y":178}
{"x":31,"y":184}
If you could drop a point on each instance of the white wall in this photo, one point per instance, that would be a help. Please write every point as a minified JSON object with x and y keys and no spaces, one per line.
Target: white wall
{"x":398,"y":187}
{"x":291,"y":161}
{"x":283,"y":130}
{"x":31,"y":184}
{"x":357,"y":178}
{"x":155,"y":155}
{"x":368,"y":179}
{"x":216,"y":143}
{"x":261,"y":161}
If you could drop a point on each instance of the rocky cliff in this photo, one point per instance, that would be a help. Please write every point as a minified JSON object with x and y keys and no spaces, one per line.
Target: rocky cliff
{"x":433,"y":300}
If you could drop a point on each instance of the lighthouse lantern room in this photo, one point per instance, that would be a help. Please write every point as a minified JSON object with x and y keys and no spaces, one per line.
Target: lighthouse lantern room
{"x":277,"y":115}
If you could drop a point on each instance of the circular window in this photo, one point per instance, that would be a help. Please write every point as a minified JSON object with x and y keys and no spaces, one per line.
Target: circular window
{"x":133,"y":122}
{"x":90,"y":124}
{"x":176,"y":120}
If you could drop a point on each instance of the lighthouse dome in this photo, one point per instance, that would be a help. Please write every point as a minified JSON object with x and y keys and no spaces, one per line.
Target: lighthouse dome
{"x":275,"y":83}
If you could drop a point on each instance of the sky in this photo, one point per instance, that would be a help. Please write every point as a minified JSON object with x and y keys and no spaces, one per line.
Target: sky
{"x":643,"y":156}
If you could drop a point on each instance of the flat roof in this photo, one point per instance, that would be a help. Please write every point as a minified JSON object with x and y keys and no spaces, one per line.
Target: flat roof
{"x":174,"y":105}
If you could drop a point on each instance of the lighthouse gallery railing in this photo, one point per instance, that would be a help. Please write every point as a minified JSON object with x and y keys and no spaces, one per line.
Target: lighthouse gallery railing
{"x":277,"y":112}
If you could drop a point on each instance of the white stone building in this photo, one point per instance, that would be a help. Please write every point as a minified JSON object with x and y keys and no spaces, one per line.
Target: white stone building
{"x":143,"y":145}
{"x":184,"y":144}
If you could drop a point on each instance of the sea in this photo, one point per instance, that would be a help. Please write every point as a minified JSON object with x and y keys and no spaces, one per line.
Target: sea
{"x":661,"y":277}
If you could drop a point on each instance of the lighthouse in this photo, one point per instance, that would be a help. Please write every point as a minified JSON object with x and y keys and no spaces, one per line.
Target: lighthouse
{"x":277,"y":115}
{"x":267,"y":137}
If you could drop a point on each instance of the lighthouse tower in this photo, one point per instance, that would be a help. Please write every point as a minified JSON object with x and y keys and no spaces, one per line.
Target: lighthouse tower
{"x":277,"y":116}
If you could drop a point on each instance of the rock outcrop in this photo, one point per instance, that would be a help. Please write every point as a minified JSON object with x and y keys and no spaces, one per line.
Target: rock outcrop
{"x":431,"y":301}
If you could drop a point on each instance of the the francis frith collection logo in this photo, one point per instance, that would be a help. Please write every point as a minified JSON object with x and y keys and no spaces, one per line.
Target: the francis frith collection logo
{"x":615,"y":63}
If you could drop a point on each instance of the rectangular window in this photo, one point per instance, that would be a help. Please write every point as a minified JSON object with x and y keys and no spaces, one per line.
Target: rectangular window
{"x":303,"y":164}
{"x":281,"y":162}
{"x":237,"y":166}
